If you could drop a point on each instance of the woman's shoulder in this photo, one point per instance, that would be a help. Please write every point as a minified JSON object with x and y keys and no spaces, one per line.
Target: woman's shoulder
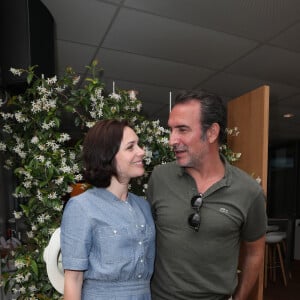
{"x":140,"y":200}
{"x":81,"y":200}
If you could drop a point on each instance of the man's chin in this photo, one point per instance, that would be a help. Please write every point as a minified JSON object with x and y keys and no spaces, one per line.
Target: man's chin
{"x":181,"y":162}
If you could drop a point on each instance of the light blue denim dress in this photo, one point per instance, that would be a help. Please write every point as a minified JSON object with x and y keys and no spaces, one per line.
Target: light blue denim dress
{"x":112,"y":241}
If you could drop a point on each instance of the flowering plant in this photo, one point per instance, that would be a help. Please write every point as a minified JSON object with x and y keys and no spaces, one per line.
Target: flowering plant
{"x":45,"y":157}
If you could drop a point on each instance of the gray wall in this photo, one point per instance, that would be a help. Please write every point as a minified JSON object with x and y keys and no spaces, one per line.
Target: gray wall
{"x":7,"y":202}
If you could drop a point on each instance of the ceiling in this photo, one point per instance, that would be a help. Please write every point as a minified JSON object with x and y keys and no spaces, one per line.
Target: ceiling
{"x":157,"y":46}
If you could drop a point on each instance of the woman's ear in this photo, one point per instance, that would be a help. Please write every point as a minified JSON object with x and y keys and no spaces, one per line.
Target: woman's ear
{"x":213,"y":133}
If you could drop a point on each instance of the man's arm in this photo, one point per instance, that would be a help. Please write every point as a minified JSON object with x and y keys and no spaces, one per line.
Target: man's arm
{"x":251,"y":264}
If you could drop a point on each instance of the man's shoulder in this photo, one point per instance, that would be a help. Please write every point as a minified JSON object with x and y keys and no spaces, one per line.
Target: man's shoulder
{"x":244,"y":179}
{"x":167,"y":167}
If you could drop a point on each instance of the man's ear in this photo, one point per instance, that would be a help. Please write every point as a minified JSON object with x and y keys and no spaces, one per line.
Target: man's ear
{"x":213,"y":132}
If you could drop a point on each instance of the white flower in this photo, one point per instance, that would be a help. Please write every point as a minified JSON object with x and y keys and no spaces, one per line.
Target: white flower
{"x":41,"y":218}
{"x":69,"y":189}
{"x":15,"y":290}
{"x":258,"y":180}
{"x":139,"y":107}
{"x":19,"y":278}
{"x":78,"y":177}
{"x":48,"y":164}
{"x":164,"y":141}
{"x":30,"y":234}
{"x":64,"y":137}
{"x":32,"y":288}
{"x":19,"y":264}
{"x":52,"y":80}
{"x":113,"y":109}
{"x":20,"y":117}
{"x":59,"y":180}
{"x":98,"y":93}
{"x":52,"y":195}
{"x":76,"y":80}
{"x":7,"y":129}
{"x":17,"y":72}
{"x":2,"y":146}
{"x":65,"y":169}
{"x":89,"y":124}
{"x":52,"y":145}
{"x":35,"y":140}
{"x":39,"y":195}
{"x":58,"y":207}
{"x":115,"y":96}
{"x":27,"y":184}
{"x":17,"y":214}
{"x":59,"y":89}
{"x":40,"y":158}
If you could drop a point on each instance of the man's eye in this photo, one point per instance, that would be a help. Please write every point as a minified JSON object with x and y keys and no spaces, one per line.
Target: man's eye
{"x":182,"y":129}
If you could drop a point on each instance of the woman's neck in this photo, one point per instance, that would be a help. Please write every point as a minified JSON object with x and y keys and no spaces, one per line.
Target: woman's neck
{"x":119,"y":189}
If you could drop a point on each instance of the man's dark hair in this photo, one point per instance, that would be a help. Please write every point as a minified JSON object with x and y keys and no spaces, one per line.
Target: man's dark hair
{"x":212,"y":110}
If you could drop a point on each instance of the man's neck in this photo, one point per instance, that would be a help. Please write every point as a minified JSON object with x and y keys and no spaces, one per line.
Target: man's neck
{"x":207,"y":174}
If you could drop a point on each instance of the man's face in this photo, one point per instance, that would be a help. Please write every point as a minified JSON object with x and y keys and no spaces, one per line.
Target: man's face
{"x":185,"y":137}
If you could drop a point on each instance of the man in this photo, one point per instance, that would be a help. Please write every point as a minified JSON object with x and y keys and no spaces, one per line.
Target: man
{"x":204,"y":208}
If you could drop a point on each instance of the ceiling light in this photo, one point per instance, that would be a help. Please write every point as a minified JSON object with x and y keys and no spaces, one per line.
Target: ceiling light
{"x":288,"y":115}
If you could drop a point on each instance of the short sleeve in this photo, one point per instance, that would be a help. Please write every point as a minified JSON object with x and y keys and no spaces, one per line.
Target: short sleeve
{"x":76,"y":234}
{"x":256,"y":222}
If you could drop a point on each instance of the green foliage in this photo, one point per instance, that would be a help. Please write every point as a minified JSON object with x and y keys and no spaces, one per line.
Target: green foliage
{"x":45,"y":157}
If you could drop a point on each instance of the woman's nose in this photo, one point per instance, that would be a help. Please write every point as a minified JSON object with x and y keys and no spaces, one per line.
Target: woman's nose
{"x":141,"y":151}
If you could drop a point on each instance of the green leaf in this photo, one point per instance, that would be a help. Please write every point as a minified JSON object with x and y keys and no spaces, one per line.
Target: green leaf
{"x":34,"y":267}
{"x":29,"y":77}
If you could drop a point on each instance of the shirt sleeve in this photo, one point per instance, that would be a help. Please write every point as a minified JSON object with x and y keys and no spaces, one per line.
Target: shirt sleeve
{"x":149,"y":194}
{"x":256,"y":222}
{"x":76,"y":234}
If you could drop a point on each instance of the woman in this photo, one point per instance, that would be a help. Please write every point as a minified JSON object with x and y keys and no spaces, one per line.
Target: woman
{"x":107,"y":233}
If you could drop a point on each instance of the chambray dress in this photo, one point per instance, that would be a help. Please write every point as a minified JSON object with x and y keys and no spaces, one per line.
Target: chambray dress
{"x":112,"y":241}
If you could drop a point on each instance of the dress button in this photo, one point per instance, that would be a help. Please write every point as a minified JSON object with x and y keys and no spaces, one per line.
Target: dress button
{"x":140,"y":243}
{"x":139,"y":276}
{"x":141,"y":260}
{"x":142,"y":225}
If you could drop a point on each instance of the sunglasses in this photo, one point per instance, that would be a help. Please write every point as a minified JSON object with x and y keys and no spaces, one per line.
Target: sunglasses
{"x":194,"y":219}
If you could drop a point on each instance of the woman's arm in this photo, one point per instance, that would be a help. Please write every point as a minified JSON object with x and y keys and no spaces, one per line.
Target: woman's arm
{"x":73,"y":285}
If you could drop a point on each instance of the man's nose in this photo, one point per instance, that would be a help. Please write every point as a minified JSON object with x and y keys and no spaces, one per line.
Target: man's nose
{"x":173,"y":139}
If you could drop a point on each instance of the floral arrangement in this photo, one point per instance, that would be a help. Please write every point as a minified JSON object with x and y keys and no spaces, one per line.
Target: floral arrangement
{"x":45,"y":157}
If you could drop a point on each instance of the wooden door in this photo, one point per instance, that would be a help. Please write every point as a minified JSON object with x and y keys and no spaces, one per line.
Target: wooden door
{"x":250,"y":113}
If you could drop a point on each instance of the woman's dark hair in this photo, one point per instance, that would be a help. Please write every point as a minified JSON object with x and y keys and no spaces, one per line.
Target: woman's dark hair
{"x":212,"y":110}
{"x":100,"y":146}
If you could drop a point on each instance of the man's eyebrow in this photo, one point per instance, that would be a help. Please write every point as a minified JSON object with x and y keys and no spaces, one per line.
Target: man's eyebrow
{"x":179,"y":127}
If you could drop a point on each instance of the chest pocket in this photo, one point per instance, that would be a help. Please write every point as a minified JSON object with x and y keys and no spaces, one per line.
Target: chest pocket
{"x":114,"y":245}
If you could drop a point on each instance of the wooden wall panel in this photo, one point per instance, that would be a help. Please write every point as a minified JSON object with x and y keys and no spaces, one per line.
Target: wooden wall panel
{"x":250,"y":113}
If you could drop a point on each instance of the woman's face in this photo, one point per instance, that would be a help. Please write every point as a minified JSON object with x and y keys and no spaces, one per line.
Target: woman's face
{"x":129,"y":158}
